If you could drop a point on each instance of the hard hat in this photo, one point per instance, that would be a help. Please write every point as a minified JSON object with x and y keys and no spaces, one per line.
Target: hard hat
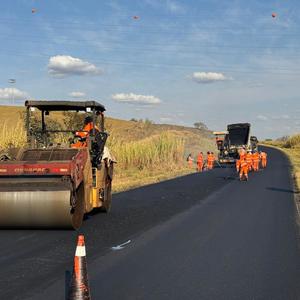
{"x":87,"y":120}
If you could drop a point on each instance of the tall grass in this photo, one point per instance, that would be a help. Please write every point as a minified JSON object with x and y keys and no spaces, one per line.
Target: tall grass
{"x":159,"y":151}
{"x":12,"y":137}
{"x":292,"y":141}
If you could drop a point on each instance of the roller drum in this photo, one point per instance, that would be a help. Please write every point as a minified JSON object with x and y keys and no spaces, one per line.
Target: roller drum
{"x":39,"y":209}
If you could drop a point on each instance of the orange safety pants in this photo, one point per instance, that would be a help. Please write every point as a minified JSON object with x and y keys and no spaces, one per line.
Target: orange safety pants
{"x":263,"y":163}
{"x":244,"y":172}
{"x":256,"y":165}
{"x":199,"y":166}
{"x":249,"y":163}
{"x":210,"y":165}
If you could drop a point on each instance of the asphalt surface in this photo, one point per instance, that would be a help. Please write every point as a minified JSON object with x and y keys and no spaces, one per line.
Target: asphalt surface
{"x":202,"y":236}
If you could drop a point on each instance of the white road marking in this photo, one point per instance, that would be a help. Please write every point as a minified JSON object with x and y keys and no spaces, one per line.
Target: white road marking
{"x":121,"y":246}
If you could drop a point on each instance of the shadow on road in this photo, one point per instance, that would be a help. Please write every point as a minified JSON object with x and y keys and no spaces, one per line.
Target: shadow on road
{"x":67,"y":283}
{"x":228,"y":177}
{"x":282,"y":190}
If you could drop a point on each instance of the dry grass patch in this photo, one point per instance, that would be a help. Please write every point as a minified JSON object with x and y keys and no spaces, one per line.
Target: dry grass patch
{"x":12,"y":135}
{"x":146,"y":152}
{"x":291,"y":147}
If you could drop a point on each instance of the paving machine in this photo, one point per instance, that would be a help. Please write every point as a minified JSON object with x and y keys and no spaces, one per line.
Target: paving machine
{"x":52,"y":185}
{"x":229,"y":142}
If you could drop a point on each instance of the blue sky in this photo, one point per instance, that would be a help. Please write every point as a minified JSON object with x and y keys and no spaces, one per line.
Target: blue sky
{"x":176,"y":62}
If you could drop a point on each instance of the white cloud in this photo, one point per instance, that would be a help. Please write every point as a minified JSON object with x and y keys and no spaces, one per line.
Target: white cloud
{"x":64,"y":65}
{"x":174,"y":7}
{"x":285,"y":117}
{"x":169,"y":5}
{"x":208,"y":77}
{"x":12,"y":94}
{"x":135,"y":99}
{"x":165,"y":119}
{"x":261,"y":118}
{"x":77,"y":94}
{"x":281,"y":117}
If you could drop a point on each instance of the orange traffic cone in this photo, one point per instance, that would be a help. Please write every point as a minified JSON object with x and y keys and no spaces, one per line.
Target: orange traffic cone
{"x":79,"y":287}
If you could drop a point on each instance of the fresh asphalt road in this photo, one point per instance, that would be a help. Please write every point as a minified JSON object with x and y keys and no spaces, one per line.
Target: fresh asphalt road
{"x":202,"y":236}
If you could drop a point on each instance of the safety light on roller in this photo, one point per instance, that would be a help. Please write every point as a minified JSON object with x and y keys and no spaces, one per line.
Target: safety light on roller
{"x":60,"y":170}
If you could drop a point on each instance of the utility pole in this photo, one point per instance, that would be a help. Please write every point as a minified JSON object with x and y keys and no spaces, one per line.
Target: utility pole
{"x":12,"y":82}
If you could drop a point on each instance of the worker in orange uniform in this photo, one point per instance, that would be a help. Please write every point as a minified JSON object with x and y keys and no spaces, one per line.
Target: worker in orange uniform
{"x":263,"y":157}
{"x":242,"y":152}
{"x":210,"y":160}
{"x":88,"y":126}
{"x":243,"y":168}
{"x":213,"y":158}
{"x":190,"y":160}
{"x":255,"y":157}
{"x":200,"y":162}
{"x":249,"y":160}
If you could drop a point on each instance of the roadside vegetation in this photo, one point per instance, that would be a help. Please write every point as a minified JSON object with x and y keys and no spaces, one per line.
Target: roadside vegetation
{"x":145,"y":152}
{"x":291,"y":146}
{"x":12,"y":136}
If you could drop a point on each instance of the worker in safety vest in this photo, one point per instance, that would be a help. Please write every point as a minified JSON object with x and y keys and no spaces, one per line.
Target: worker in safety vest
{"x":263,"y":157}
{"x":87,"y":128}
{"x":210,"y":160}
{"x":255,"y":157}
{"x":242,"y":152}
{"x":190,"y":161}
{"x":200,"y":162}
{"x":243,"y":168}
{"x":249,"y":160}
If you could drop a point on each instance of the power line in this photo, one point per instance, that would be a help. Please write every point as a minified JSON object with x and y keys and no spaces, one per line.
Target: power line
{"x":60,"y":40}
{"x":63,"y":24}
{"x":178,"y":29}
{"x":118,"y":48}
{"x":211,"y":68}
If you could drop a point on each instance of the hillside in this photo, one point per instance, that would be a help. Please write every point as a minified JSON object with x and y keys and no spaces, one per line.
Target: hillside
{"x":127,"y":131}
{"x":145,"y":152}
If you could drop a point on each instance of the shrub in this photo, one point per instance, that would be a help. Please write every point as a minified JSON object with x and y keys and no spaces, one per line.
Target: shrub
{"x":292,"y":141}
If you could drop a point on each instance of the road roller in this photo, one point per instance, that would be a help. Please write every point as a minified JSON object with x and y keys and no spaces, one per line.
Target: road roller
{"x":50,"y":184}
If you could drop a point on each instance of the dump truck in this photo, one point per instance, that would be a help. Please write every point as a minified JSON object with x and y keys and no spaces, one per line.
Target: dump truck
{"x":229,"y":142}
{"x":53,"y":185}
